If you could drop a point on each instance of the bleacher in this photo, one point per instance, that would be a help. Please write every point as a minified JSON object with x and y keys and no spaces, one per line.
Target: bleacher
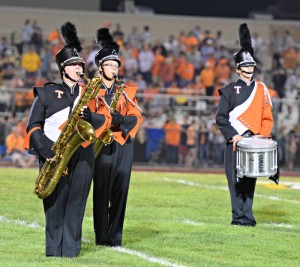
{"x":161,"y":27}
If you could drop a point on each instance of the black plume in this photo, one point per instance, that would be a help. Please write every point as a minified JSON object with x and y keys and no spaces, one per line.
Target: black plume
{"x":105,"y":40}
{"x":69,"y":33}
{"x":245,"y":39}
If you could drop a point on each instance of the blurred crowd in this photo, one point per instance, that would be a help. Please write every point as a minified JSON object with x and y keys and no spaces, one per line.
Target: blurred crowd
{"x":177,"y":78}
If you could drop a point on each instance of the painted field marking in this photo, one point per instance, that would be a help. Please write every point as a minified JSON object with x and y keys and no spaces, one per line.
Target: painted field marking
{"x":186,"y":221}
{"x":139,"y":254}
{"x":226,"y":189}
{"x":146,"y":257}
{"x":281,"y":225}
{"x":21,"y":222}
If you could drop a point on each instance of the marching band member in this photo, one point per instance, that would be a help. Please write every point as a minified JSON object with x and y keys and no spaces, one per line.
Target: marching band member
{"x":114,"y":163}
{"x":245,"y":109}
{"x":53,"y":104}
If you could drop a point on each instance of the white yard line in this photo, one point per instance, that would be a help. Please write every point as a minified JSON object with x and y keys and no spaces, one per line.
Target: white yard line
{"x":226,"y":189}
{"x":21,"y":222}
{"x":187,"y":221}
{"x":146,"y":257}
{"x":278,"y":199}
{"x":281,"y":225}
{"x":118,"y":249}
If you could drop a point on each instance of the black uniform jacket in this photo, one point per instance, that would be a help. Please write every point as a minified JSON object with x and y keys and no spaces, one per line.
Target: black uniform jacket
{"x":244,"y":107}
{"x":50,"y":110}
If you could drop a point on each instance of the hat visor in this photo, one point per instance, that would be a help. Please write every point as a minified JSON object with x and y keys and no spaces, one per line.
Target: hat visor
{"x":74,"y":60}
{"x":247,"y":64}
{"x":114,"y":58}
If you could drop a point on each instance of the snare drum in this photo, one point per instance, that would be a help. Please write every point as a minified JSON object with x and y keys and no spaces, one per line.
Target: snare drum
{"x":256,"y":157}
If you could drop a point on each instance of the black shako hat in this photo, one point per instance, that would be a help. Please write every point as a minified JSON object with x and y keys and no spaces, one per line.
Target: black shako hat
{"x":70,"y":53}
{"x":244,"y":57}
{"x":109,"y":49}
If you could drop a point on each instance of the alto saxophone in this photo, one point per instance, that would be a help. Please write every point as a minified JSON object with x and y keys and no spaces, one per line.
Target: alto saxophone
{"x":75,"y":132}
{"x":107,"y":135}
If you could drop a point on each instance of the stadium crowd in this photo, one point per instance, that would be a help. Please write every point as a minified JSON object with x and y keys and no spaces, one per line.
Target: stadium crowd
{"x":177,"y":78}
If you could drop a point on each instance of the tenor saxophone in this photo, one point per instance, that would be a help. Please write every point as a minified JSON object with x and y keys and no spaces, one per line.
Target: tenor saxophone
{"x":75,"y":132}
{"x":107,"y":135}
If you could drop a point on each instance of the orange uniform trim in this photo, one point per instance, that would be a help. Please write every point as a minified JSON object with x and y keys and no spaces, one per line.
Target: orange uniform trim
{"x":258,"y":117}
{"x":27,"y":138}
{"x":102,"y":109}
{"x":126,"y":108}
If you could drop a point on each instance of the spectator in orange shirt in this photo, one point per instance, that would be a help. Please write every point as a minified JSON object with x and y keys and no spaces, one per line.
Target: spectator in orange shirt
{"x":15,"y":149}
{"x":290,"y":57}
{"x":22,"y":124}
{"x":172,"y":132}
{"x":185,"y":71}
{"x":223,"y":71}
{"x":56,"y":42}
{"x":158,"y":62}
{"x":220,"y":84}
{"x":54,"y":36}
{"x":191,"y":41}
{"x":168,"y":72}
{"x":207,"y":76}
{"x":134,"y":50}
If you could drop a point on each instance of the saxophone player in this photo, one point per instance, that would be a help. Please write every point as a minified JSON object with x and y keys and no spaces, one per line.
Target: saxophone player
{"x":113,"y":164}
{"x":53,"y":104}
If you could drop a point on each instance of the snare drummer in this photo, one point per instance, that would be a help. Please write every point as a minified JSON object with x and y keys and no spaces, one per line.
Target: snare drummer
{"x":245,"y":109}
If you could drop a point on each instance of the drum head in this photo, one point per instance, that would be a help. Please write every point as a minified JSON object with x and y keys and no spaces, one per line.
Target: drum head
{"x":256,"y":143}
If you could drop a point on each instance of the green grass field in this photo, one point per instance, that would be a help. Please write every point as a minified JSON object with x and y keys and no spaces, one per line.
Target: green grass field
{"x":172,"y":219}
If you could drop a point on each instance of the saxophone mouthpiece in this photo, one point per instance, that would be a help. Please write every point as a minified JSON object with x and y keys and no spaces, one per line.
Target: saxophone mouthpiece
{"x":80,"y":74}
{"x":117,"y":79}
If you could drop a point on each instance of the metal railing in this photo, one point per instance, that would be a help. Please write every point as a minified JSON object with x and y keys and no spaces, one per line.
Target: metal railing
{"x":158,"y":108}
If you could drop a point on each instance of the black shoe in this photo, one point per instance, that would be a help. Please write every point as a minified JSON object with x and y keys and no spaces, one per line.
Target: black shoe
{"x":236,"y":223}
{"x":249,"y":224}
{"x":116,"y":243}
{"x":102,"y":243}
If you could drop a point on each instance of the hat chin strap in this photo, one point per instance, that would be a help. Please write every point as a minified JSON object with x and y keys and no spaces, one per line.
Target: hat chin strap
{"x":105,"y":76}
{"x":68,"y":77}
{"x":246,"y":72}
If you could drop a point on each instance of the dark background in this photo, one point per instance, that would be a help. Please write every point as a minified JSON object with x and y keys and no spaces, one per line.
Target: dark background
{"x":280,"y":9}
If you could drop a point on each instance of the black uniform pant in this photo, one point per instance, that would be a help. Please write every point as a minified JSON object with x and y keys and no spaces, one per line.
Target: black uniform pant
{"x":241,"y":193}
{"x":64,"y":208}
{"x":111,"y":184}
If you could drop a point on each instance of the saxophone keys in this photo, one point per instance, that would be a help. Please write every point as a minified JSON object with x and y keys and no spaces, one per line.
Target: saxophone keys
{"x":66,"y":171}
